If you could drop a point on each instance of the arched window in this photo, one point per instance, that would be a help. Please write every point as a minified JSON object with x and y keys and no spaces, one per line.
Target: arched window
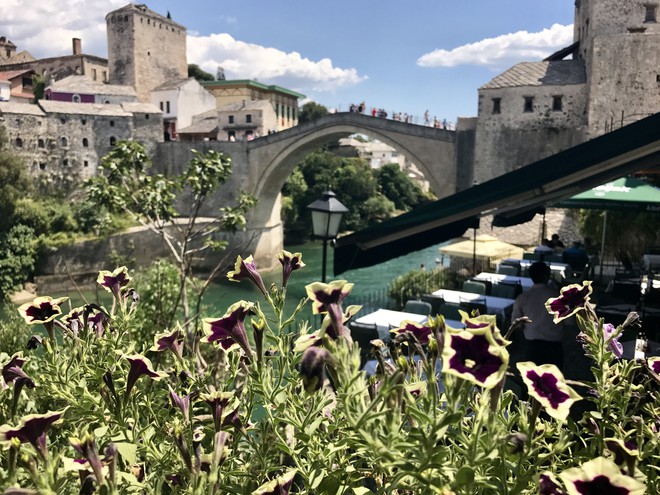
{"x":19,"y":143}
{"x":113,"y":140}
{"x":64,"y":141}
{"x":41,"y":143}
{"x":85,"y":142}
{"x":42,"y":166}
{"x":75,"y":98}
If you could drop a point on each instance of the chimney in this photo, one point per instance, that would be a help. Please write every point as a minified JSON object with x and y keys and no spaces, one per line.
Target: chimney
{"x":77,"y":46}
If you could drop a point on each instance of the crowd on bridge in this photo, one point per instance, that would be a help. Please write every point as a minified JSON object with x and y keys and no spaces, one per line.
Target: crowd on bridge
{"x":402,"y":116}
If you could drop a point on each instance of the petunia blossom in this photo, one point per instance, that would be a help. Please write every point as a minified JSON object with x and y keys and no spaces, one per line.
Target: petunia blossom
{"x":86,"y":446}
{"x":312,"y":367}
{"x":247,"y":269}
{"x":114,"y":281}
{"x":572,"y":299}
{"x":420,"y":331}
{"x":172,"y":340}
{"x":12,"y":372}
{"x":230,"y":329}
{"x":482,"y":321}
{"x":475,"y":355}
{"x":224,"y":408}
{"x":140,"y":366}
{"x":183,"y":403}
{"x":624,"y":451}
{"x":32,"y":429}
{"x":612,"y":340}
{"x":327,"y":298}
{"x":546,"y":384}
{"x":653,"y":365}
{"x":601,"y":476}
{"x":279,"y":486}
{"x":549,"y":484}
{"x":290,"y":262}
{"x":41,"y":310}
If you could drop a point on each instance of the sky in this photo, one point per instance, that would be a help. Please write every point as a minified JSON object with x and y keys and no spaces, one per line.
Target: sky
{"x":405,"y":57}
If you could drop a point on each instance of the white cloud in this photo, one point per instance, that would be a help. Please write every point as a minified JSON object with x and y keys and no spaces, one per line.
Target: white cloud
{"x":242,"y":60}
{"x":502,"y":51}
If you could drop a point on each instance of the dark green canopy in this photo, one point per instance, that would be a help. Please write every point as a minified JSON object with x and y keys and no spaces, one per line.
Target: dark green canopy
{"x":627,"y":193}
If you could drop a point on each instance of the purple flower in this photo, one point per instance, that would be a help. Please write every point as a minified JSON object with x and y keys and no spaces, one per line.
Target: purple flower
{"x":32,"y":429}
{"x":247,"y":269}
{"x":96,"y":322}
{"x":41,"y":310}
{"x":172,"y":340}
{"x":312,"y":367}
{"x":653,"y":365}
{"x":475,"y":355}
{"x":74,"y":320}
{"x":224,"y":408}
{"x":612,"y":340}
{"x":549,"y":485}
{"x":623,"y":451}
{"x":114,"y":281}
{"x":86,"y":446}
{"x":483,"y":321}
{"x":12,"y":371}
{"x":279,"y":486}
{"x":306,"y":340}
{"x":327,"y":298}
{"x":183,"y":403}
{"x":572,"y":299}
{"x":290,"y":262}
{"x":546,"y":384}
{"x":230,"y":329}
{"x":140,"y":366}
{"x":421,"y":331}
{"x":600,"y":476}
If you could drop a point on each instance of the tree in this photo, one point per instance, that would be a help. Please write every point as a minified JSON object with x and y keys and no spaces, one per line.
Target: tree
{"x":18,"y":254}
{"x":396,"y":185}
{"x":311,"y":111}
{"x":14,"y":182}
{"x":198,"y":73}
{"x":124,"y":184}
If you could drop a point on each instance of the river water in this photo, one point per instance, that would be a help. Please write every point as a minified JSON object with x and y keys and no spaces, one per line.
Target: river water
{"x":368,"y":281}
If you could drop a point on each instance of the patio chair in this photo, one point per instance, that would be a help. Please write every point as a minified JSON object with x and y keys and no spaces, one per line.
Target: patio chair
{"x":507,"y":290}
{"x":508,"y":269}
{"x":363,"y":334}
{"x":450,"y":311}
{"x":475,"y":287}
{"x":532,"y":256}
{"x":434,"y":301}
{"x":418,"y":307}
{"x":469,"y":306}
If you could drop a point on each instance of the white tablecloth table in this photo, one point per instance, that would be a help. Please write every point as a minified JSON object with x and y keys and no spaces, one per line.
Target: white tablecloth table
{"x":557,"y":268}
{"x":495,"y":305}
{"x":496,"y":278}
{"x":384,"y":318}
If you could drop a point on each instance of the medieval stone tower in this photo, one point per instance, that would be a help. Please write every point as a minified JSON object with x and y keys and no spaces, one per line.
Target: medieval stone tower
{"x":608,"y":77}
{"x":145,"y":49}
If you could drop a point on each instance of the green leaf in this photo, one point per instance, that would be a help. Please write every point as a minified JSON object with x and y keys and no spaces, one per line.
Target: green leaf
{"x":465,"y":476}
{"x":128,"y":451}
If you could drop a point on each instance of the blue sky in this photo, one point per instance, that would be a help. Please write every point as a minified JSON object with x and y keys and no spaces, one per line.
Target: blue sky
{"x":403,"y":57}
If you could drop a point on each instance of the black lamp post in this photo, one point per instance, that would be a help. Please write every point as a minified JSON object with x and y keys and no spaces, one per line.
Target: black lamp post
{"x":326,"y":216}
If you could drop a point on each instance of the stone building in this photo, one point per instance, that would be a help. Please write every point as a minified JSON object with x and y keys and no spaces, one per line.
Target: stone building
{"x":62,"y":143}
{"x":7,"y":49}
{"x":246,"y":120}
{"x":537,"y":109}
{"x":284,"y":101}
{"x":80,"y":89}
{"x":145,"y":49}
{"x":53,"y":68}
{"x":17,"y":85}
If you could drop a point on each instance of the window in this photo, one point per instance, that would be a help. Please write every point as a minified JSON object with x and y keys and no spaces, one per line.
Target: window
{"x":248,"y":118}
{"x":113,"y":140}
{"x":65,"y":162}
{"x":75,"y":98}
{"x":94,"y":74}
{"x":83,"y":121}
{"x":85,"y":163}
{"x":112,"y":123}
{"x":85,"y":142}
{"x":277,"y":109}
{"x":42,"y":166}
{"x":651,"y":12}
{"x":529,"y":104}
{"x":146,"y":116}
{"x":162,"y":106}
{"x":62,"y":120}
{"x":497,"y":105}
{"x":557,"y":103}
{"x":105,"y":75}
{"x":19,"y":143}
{"x":41,"y":143}
{"x":167,"y":107}
{"x":64,"y":141}
{"x":231,"y":119}
{"x":293,"y":113}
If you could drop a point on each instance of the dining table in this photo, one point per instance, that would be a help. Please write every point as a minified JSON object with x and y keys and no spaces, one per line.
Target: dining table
{"x":497,"y":278}
{"x":385,"y":319}
{"x":500,"y":306}
{"x":559,"y":270}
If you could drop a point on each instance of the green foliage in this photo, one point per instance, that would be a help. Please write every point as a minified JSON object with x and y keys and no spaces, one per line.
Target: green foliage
{"x":46,"y":215}
{"x":396,"y":186}
{"x":38,"y":87}
{"x":198,"y":73}
{"x":14,"y":182}
{"x":311,"y":111}
{"x":14,"y":334}
{"x":414,"y":283}
{"x":629,"y":234}
{"x":18,"y":252}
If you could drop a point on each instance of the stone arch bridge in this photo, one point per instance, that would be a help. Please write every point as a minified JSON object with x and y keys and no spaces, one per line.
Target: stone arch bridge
{"x":262,"y":166}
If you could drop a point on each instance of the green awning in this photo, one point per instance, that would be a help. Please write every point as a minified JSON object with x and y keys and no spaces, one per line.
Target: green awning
{"x":613,"y":155}
{"x":627,"y":193}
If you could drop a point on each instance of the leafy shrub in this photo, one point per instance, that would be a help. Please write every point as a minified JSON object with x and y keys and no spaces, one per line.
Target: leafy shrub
{"x":18,"y":253}
{"x":413,"y":284}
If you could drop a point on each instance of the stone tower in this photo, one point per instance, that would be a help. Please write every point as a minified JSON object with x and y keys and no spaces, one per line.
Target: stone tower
{"x":145,"y":49}
{"x":619,"y":41}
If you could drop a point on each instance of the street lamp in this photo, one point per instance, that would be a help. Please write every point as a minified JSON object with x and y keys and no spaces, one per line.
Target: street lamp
{"x":326,"y":216}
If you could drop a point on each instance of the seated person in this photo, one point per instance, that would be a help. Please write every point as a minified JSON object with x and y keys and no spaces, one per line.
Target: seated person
{"x":555,"y":243}
{"x":544,"y":248}
{"x":576,"y":256}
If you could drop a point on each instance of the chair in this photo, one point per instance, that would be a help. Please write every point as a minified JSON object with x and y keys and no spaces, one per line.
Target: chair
{"x":363,"y":334}
{"x":434,"y":301}
{"x":450,"y":311}
{"x":626,"y":291}
{"x":469,"y":306}
{"x":418,"y":307}
{"x":507,"y":290}
{"x":554,"y":258}
{"x":508,"y":269}
{"x":475,"y":287}
{"x":532,"y":256}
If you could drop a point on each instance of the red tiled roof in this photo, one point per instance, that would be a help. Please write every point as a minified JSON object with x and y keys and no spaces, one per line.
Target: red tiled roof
{"x":11,"y":74}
